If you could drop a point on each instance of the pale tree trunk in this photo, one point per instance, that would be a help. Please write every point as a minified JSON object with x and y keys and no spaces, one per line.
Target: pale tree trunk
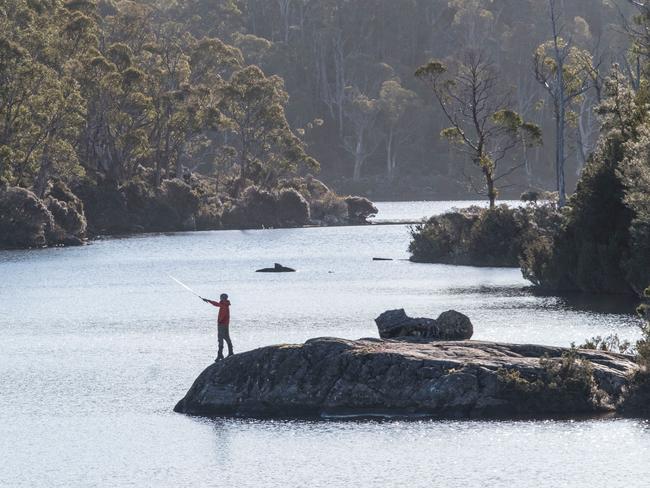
{"x":390,"y":162}
{"x":359,"y":157}
{"x":40,"y":185}
{"x":560,"y":126}
{"x":339,"y":67}
{"x":561,"y":123}
{"x":285,"y":11}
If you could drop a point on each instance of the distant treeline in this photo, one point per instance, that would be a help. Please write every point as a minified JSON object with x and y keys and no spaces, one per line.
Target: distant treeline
{"x":258,"y":89}
{"x":352,"y":63}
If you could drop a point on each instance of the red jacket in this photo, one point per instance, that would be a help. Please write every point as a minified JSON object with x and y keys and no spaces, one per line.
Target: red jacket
{"x":224,"y":311}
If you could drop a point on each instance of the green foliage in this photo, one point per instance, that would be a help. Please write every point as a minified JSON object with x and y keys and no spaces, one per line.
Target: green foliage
{"x":293,"y":207}
{"x":495,"y":238}
{"x":360,"y":209}
{"x":24,"y":219}
{"x":329,"y":209}
{"x":562,"y":381}
{"x":602,"y":245}
{"x":483,"y":237}
{"x":610,"y":343}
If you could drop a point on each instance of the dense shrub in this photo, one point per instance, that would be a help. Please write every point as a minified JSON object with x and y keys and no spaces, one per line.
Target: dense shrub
{"x":137,"y":206}
{"x":482,"y":237}
{"x":587,"y":253}
{"x":444,"y":239}
{"x":360,"y":209}
{"x":563,"y":381}
{"x":68,"y":212}
{"x":28,"y":221}
{"x":637,"y":398}
{"x":178,"y":196}
{"x":24,"y":219}
{"x":495,"y":238}
{"x":208,"y":216}
{"x":329,"y":209}
{"x":255,"y":209}
{"x":292,"y":208}
{"x":105,"y":207}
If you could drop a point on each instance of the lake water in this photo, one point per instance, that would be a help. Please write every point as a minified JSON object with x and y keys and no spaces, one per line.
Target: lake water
{"x":98,"y":344}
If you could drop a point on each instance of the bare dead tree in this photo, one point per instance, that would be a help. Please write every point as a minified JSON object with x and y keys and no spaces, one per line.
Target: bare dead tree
{"x":481,"y":123}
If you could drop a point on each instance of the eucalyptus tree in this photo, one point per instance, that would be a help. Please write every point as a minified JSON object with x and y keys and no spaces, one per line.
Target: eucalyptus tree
{"x":362,"y":111}
{"x":252,"y":109}
{"x":481,"y":123}
{"x":566,"y":73}
{"x":395,"y":102}
{"x":41,"y":109}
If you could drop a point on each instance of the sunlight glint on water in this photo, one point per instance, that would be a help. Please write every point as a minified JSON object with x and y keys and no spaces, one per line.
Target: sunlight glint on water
{"x":98,"y":344}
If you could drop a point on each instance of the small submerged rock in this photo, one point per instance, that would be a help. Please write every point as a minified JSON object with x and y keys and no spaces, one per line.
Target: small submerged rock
{"x":449,"y":326}
{"x":277,"y":268}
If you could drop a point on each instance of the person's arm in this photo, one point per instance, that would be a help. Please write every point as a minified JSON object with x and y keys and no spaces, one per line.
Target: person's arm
{"x":211,"y":302}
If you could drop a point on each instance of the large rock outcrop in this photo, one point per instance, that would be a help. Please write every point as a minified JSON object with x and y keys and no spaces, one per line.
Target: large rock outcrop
{"x":465,"y":379}
{"x":449,"y":326}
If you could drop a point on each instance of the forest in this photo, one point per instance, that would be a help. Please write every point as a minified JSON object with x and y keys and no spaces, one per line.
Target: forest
{"x":123,"y":116}
{"x":142,"y":84}
{"x":595,"y":241}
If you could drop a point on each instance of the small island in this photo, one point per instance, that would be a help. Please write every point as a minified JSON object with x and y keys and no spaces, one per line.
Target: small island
{"x":411,"y":375}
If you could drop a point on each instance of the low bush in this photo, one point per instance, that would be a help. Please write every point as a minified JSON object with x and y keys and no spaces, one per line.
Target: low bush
{"x":329,"y":209}
{"x":636,"y":400}
{"x":563,"y":381}
{"x":69,"y":217}
{"x":292,"y":208}
{"x":24,"y":219}
{"x":360,"y":209}
{"x":255,"y":209}
{"x":610,"y":343}
{"x":495,"y":238}
{"x":475,"y":236}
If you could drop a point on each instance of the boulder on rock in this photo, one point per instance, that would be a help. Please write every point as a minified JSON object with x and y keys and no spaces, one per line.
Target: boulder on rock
{"x":449,"y":326}
{"x":277,"y":268}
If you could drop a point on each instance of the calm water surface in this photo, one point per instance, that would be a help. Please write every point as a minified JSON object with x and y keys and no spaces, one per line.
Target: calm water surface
{"x":98,"y":344}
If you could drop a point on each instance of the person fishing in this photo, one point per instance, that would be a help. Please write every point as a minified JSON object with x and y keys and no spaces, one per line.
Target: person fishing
{"x":223,"y":323}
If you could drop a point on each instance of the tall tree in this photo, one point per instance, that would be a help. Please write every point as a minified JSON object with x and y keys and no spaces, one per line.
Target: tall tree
{"x":395,"y":101}
{"x":565,"y":73}
{"x":481,"y":122}
{"x":252,"y":108}
{"x":362,"y":111}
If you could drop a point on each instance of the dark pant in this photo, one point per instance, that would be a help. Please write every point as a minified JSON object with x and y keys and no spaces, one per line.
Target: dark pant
{"x":224,"y":335}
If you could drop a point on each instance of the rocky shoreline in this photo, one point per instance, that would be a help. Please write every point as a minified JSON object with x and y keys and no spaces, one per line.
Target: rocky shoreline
{"x":410,"y":376}
{"x":66,"y":216}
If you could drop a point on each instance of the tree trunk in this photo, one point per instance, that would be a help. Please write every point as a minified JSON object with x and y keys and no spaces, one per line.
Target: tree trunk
{"x":389,"y":154}
{"x":40,"y":185}
{"x":491,"y":190}
{"x":358,"y":158}
{"x":560,"y":154}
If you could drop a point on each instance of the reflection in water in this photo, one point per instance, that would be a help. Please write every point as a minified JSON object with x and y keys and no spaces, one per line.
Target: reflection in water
{"x":98,"y":344}
{"x":580,"y":302}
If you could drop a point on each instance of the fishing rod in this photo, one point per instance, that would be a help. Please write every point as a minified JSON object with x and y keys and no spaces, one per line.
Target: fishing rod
{"x":186,"y":287}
